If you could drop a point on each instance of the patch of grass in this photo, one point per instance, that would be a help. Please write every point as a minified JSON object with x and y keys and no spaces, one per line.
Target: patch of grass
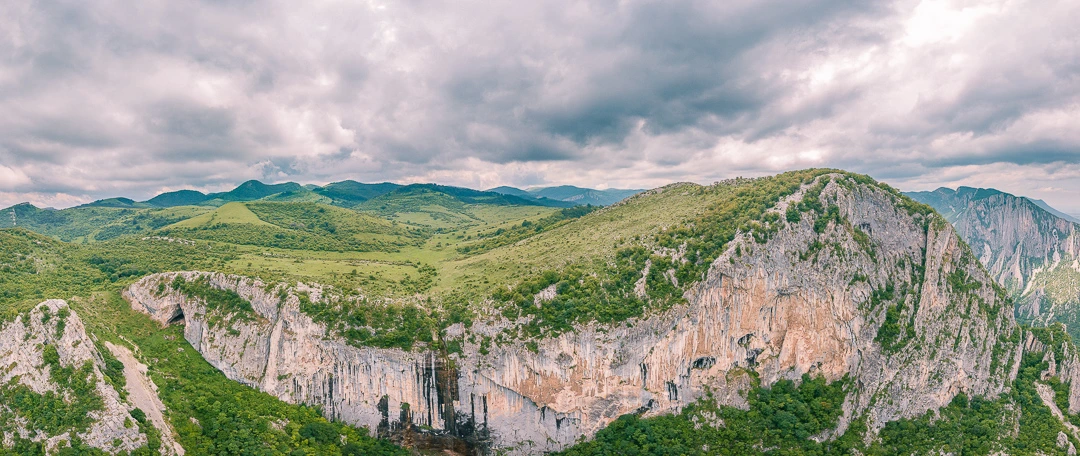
{"x":295,"y":226}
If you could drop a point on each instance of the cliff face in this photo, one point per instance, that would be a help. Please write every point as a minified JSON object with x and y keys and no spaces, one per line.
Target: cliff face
{"x":1032,"y":252}
{"x":889,"y":299}
{"x":35,"y":350}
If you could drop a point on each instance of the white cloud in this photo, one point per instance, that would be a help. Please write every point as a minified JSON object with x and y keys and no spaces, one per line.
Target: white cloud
{"x":11,"y":179}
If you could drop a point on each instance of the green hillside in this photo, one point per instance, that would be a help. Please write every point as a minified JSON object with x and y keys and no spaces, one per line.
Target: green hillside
{"x":211,"y":414}
{"x":177,"y":198}
{"x":228,"y":213}
{"x":578,"y":195}
{"x":94,"y":223}
{"x":445,"y":208}
{"x":348,"y":193}
{"x":118,"y":202}
{"x":253,"y":190}
{"x":295,"y":226}
{"x":410,"y":262}
{"x":570,"y":194}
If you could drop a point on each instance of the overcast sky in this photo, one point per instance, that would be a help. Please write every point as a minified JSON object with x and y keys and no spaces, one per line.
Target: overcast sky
{"x":102,"y":98}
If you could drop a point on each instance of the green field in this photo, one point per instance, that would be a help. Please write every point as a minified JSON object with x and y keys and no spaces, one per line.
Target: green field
{"x":229,"y":213}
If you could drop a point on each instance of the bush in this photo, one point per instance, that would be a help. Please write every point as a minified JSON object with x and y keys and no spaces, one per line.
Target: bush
{"x":319,"y":431}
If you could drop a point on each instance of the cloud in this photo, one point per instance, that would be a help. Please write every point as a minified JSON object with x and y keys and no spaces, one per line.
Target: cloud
{"x":110,"y":98}
{"x":11,"y":179}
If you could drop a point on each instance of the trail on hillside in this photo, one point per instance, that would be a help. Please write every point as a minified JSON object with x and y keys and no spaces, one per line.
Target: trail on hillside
{"x":143,"y":394}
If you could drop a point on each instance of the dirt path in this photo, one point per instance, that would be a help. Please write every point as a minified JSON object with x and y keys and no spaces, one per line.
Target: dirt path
{"x":143,"y":393}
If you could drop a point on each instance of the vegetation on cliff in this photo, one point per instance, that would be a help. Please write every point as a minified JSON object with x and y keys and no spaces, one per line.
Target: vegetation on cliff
{"x":789,"y":419}
{"x":403,"y":266}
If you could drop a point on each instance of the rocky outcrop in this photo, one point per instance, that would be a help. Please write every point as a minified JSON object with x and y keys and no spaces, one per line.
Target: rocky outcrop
{"x":24,"y":366}
{"x":142,"y":392}
{"x":808,"y":300}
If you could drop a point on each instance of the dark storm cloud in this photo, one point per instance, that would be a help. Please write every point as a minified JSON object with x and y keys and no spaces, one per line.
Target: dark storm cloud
{"x":684,"y":61}
{"x":106,"y":97}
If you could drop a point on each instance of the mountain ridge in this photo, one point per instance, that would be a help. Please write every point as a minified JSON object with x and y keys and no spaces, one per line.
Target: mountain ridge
{"x":837,"y":222}
{"x":570,"y":193}
{"x":1028,"y":248}
{"x":811,"y":312}
{"x":350,"y":192}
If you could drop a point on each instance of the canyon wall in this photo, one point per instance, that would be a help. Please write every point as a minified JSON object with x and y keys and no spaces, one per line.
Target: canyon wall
{"x":810,"y":299}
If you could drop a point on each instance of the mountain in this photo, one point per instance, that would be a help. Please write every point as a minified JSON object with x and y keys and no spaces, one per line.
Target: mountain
{"x":349,"y":192}
{"x":248,"y":191}
{"x":114,"y":217}
{"x":584,"y":195}
{"x":94,"y":222}
{"x":505,"y":190}
{"x":470,"y":196}
{"x":812,"y":312}
{"x":445,"y":207}
{"x":703,"y":302}
{"x":1056,"y":212}
{"x":253,"y":190}
{"x":178,"y":198}
{"x":569,"y":193}
{"x":1033,"y":252}
{"x":118,"y":203}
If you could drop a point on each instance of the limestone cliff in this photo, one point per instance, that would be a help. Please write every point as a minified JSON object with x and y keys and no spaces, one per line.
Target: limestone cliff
{"x":1026,"y":248}
{"x":872,"y":290}
{"x":43,"y":353}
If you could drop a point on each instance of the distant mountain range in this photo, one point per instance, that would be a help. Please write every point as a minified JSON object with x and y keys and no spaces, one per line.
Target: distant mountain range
{"x":569,"y":193}
{"x":431,"y":205}
{"x":350,"y":193}
{"x":948,"y":201}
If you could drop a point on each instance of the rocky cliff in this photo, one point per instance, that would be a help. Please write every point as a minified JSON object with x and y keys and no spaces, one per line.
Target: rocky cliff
{"x":1032,"y":252}
{"x":872,"y":290}
{"x":53,"y":388}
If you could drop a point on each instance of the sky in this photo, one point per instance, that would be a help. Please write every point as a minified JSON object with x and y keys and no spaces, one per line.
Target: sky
{"x":116,"y":98}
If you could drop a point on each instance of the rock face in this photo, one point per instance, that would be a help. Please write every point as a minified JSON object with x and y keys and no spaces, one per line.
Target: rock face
{"x":23,"y":363}
{"x":871,"y":296}
{"x":1065,"y":367}
{"x":1029,"y":250}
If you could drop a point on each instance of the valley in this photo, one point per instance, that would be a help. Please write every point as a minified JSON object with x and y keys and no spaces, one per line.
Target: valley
{"x":1028,"y":247}
{"x":812,"y":312}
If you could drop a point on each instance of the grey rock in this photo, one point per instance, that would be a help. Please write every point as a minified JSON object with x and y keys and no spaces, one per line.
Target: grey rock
{"x":22,"y":343}
{"x":799,"y":303}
